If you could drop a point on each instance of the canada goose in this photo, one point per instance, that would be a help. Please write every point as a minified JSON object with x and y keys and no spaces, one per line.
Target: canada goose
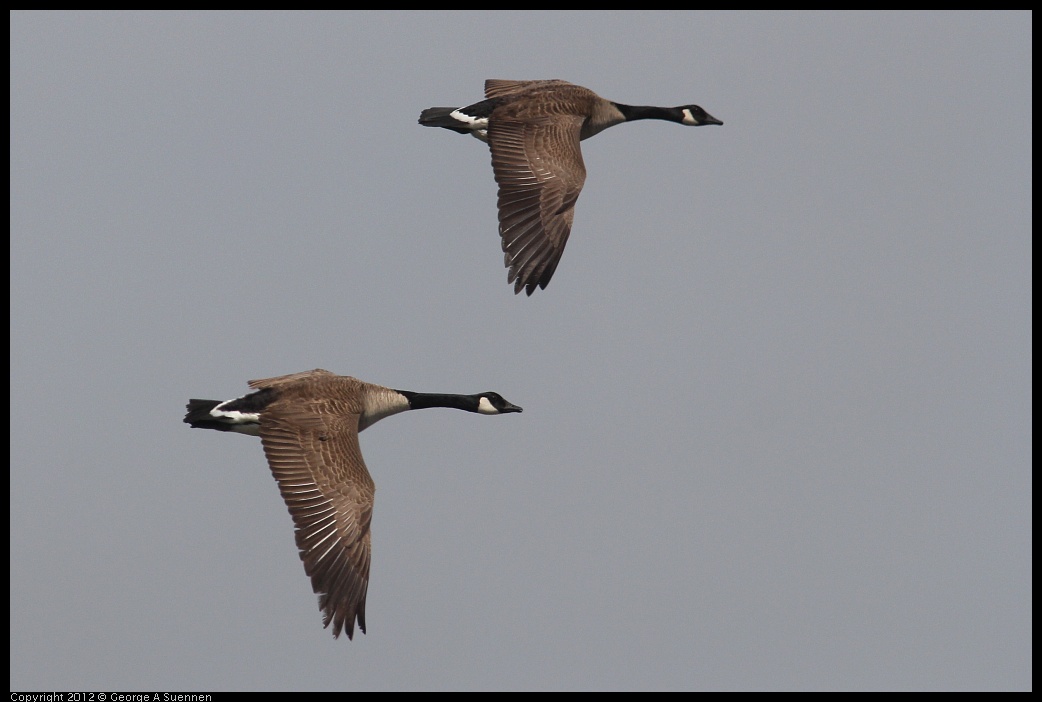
{"x":533,"y":128}
{"x":308,"y":424}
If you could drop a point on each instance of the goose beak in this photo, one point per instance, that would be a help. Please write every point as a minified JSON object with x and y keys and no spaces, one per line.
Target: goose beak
{"x":510,"y":408}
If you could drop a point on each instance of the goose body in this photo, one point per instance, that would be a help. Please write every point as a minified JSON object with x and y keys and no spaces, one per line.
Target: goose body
{"x":533,"y":129}
{"x":308,"y":424}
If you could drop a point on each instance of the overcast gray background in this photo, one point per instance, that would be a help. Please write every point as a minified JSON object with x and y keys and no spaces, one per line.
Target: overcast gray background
{"x":777,"y":427}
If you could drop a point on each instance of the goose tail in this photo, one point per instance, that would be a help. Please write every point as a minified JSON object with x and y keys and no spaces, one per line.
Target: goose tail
{"x":442,"y":117}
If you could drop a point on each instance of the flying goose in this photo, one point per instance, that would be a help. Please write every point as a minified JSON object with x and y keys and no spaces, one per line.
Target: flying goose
{"x":308,"y":424}
{"x":533,"y":128}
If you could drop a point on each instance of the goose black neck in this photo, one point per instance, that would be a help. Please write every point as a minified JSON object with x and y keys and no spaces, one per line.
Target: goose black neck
{"x":635,"y":112}
{"x":425,"y":400}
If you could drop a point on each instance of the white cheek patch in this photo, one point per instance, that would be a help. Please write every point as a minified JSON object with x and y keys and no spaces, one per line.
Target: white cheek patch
{"x":485,"y":407}
{"x":689,"y":119}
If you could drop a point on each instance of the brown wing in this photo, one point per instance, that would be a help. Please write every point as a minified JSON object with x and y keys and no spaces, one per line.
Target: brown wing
{"x":539,"y":167}
{"x":313,"y":452}
{"x":495,"y":87}
{"x":298,"y":379}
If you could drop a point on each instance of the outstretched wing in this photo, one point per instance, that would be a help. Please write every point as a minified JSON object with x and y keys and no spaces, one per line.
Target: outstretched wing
{"x":539,"y":167}
{"x":313,"y":453}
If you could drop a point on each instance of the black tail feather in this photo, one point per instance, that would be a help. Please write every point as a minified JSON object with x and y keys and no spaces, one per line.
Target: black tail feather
{"x":439,"y":117}
{"x":199,"y":416}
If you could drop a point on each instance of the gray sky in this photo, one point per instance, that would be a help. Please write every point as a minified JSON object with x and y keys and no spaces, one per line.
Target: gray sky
{"x":777,"y":427}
